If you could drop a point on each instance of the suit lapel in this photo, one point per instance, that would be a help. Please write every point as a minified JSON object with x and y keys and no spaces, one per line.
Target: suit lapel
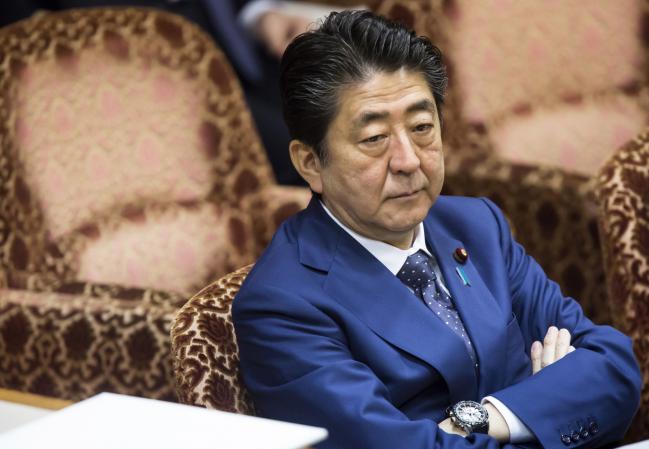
{"x":477,"y":307}
{"x":363,"y":285}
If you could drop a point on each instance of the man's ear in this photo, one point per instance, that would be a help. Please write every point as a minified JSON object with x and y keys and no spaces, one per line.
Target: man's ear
{"x":307,"y":164}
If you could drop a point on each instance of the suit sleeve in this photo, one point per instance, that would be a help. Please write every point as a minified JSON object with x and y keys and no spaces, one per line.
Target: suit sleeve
{"x":589,"y":397}
{"x":297,"y":366}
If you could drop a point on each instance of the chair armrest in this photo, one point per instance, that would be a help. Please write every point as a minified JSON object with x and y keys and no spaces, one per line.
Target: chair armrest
{"x":270,"y":207}
{"x":553,"y":214}
{"x":75,"y":346}
{"x":204,"y":345}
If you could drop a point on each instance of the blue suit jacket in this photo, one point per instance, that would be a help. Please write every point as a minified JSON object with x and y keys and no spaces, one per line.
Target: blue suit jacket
{"x":329,"y":337}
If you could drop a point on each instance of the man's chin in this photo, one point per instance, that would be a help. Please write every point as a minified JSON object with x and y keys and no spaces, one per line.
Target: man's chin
{"x":407,"y":223}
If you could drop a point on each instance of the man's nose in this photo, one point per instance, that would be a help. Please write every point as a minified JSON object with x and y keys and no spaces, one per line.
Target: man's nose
{"x":403,"y":155}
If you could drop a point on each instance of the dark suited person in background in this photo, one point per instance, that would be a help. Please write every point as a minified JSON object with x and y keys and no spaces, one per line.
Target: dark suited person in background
{"x":253,"y":35}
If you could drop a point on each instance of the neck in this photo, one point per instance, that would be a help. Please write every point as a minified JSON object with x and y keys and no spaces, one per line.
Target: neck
{"x":403,"y":241}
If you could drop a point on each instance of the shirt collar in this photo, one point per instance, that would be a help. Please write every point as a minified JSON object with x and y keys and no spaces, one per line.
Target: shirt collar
{"x":392,"y":257}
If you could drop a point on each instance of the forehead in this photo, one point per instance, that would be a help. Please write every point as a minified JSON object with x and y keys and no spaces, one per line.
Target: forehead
{"x":389,"y":93}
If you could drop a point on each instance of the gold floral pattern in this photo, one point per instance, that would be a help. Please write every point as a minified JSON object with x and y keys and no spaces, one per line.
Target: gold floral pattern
{"x":206,"y":356}
{"x":130,"y":176}
{"x":623,"y":196}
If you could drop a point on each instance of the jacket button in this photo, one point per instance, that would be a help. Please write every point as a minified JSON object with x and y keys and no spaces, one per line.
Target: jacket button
{"x":583,"y":432}
{"x":593,"y":427}
{"x":574,"y":436}
{"x":565,"y":439}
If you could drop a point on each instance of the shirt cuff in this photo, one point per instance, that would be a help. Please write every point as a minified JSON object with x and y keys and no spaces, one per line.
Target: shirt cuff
{"x":518,"y":432}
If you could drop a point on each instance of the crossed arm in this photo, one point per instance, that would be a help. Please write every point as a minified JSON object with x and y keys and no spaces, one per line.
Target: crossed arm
{"x":554,"y":347}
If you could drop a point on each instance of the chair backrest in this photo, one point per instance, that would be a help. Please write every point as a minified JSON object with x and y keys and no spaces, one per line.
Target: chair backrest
{"x":125,"y":140}
{"x":623,"y":196}
{"x":558,"y":82}
{"x":205,"y":351}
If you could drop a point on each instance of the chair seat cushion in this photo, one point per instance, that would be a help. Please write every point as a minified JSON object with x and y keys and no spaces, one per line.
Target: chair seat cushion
{"x":178,"y":248}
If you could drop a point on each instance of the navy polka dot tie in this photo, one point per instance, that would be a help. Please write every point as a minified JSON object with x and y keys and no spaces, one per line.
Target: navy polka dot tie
{"x":418,"y":274}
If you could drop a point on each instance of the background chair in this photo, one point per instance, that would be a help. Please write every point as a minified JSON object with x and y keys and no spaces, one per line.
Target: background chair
{"x":623,"y":196}
{"x":205,"y":351}
{"x":130,"y":176}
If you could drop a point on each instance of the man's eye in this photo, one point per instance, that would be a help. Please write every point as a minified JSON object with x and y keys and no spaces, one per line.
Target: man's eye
{"x":373,"y":139}
{"x":422,"y":128}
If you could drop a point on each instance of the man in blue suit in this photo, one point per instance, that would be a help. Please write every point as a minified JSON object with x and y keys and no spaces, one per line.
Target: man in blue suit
{"x":393,"y":316}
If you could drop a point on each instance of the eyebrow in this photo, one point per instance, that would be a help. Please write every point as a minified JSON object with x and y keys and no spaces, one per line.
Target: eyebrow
{"x":423,"y":105}
{"x":371,"y":116}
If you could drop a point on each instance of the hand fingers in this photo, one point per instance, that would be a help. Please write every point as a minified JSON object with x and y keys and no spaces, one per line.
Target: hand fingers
{"x":549,"y":346}
{"x":563,"y":342}
{"x":570,"y":349}
{"x":537,"y":349}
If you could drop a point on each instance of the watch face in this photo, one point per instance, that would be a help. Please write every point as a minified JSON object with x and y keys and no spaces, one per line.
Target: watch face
{"x":470,"y":412}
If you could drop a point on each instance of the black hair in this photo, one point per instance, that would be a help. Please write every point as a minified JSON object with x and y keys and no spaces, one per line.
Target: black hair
{"x":347,"y":48}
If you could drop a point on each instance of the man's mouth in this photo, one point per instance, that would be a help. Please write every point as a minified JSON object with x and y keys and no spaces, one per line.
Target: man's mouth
{"x":407,"y":194}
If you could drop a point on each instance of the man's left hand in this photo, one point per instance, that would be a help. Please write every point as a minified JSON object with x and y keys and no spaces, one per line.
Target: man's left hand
{"x":555,"y":346}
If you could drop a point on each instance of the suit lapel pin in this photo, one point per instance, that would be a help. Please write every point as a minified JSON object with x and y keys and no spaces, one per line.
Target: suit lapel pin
{"x":461,"y":255}
{"x":460,"y":272}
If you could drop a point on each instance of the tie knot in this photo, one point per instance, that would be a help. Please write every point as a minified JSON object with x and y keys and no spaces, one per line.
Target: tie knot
{"x":417,"y":271}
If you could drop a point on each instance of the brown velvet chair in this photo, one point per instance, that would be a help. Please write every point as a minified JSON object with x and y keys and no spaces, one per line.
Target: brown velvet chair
{"x":623,"y":196}
{"x":130,"y":176}
{"x":205,"y":351}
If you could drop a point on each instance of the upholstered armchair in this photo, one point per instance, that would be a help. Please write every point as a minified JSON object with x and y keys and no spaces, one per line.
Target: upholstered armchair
{"x":205,"y":351}
{"x":131,"y":175}
{"x":558,"y":84}
{"x":623,"y":197}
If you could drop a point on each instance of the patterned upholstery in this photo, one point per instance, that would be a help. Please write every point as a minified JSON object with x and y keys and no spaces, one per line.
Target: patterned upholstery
{"x":76,"y":345}
{"x":206,"y":356}
{"x":130,"y":176}
{"x":538,"y":82}
{"x":623,"y":196}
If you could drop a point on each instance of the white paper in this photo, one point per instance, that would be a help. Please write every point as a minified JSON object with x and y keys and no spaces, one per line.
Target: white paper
{"x":111,"y":421}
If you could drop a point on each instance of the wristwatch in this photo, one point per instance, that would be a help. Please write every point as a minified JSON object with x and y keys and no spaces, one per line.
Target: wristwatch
{"x":470,"y":416}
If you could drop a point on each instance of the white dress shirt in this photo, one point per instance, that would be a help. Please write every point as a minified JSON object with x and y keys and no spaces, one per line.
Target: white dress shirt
{"x":393,"y":258}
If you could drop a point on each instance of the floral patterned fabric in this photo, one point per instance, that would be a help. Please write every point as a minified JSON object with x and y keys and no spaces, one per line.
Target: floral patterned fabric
{"x":130,"y":176}
{"x":623,"y":196}
{"x":74,"y":346}
{"x":206,"y":355}
{"x":555,"y":83}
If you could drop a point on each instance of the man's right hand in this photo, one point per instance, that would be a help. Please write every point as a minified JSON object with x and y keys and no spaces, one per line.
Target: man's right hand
{"x":555,"y":346}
